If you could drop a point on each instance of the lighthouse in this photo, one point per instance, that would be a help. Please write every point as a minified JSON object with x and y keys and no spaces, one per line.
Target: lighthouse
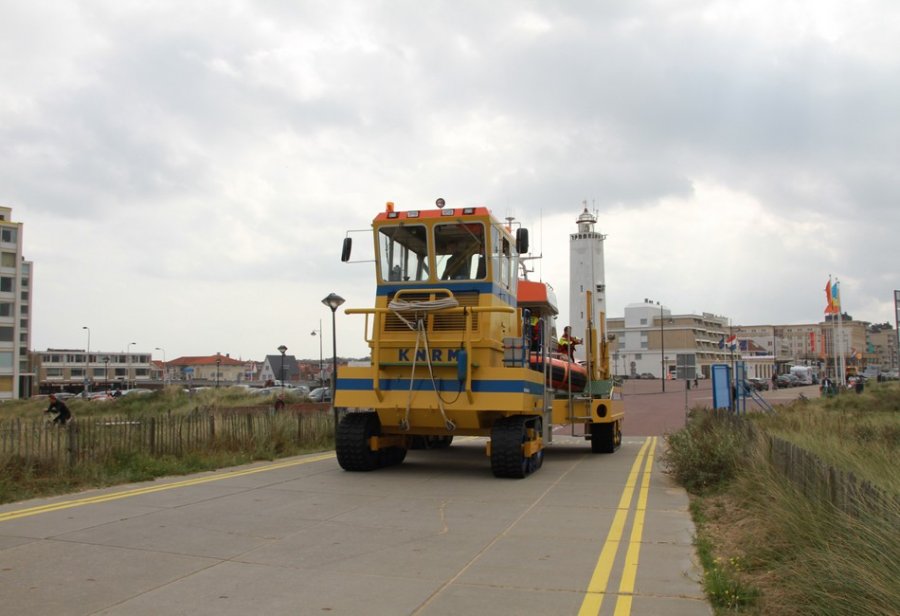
{"x":586,"y":274}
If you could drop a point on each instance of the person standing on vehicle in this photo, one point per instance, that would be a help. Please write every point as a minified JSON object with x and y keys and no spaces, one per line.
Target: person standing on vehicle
{"x":63,"y":414}
{"x":567,"y":343}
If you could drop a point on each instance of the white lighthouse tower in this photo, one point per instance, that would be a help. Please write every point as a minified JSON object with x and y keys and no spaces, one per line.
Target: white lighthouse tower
{"x":586,"y":274}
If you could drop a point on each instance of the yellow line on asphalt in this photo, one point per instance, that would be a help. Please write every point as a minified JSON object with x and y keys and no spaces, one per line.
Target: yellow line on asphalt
{"x":626,"y":587}
{"x":593,"y":599}
{"x":93,"y":500}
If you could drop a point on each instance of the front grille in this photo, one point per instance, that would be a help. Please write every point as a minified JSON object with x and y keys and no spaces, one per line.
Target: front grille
{"x":436,"y":321}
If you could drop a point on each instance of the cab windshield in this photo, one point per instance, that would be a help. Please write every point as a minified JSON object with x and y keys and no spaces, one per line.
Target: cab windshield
{"x":459,"y":251}
{"x":403,"y":253}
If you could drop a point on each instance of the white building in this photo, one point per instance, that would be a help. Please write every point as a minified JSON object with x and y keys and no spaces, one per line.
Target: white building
{"x":651,"y":340}
{"x":16,"y":376}
{"x":586,"y":273}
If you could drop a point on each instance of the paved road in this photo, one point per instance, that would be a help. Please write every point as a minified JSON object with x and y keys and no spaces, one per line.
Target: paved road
{"x":651,"y":412}
{"x":587,"y":534}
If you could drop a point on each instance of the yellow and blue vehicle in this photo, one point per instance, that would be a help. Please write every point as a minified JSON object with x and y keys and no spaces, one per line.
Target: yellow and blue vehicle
{"x":458,"y":348}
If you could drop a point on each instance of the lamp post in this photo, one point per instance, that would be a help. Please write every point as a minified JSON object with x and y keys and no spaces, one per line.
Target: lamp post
{"x":165,"y":367}
{"x":334,"y":302}
{"x":87,"y":362}
{"x":128,"y":364}
{"x":282,"y":349}
{"x":313,"y":333}
{"x":106,"y":361}
{"x":662,"y":346}
{"x":219,"y":363}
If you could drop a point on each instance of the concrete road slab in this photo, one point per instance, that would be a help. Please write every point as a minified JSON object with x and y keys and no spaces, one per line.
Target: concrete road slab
{"x":475,"y":599}
{"x":438,"y":533}
{"x":62,"y":578}
{"x":64,"y":521}
{"x":151,"y":534}
{"x":668,"y":570}
{"x":239,"y":589}
{"x":324,"y":544}
{"x":7,"y":542}
{"x":536,"y":562}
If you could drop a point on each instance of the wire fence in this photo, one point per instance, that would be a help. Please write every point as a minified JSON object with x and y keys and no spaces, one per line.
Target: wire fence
{"x":98,"y":439}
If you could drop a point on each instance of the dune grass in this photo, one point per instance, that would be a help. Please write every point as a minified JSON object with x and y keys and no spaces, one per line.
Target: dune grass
{"x":768,"y":549}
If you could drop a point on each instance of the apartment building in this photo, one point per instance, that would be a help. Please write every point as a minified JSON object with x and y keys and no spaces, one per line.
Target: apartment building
{"x":649,"y":339}
{"x":74,"y":369}
{"x":16,"y":375}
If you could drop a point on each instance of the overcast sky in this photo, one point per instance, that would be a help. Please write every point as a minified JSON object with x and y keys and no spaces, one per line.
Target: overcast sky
{"x":186,"y":171}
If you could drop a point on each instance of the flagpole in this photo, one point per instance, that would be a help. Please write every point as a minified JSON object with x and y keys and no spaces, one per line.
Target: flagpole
{"x":834,"y":340}
{"x":841,"y":334}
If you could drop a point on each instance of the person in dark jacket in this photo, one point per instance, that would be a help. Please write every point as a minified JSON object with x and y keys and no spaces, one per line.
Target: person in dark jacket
{"x":63,"y":414}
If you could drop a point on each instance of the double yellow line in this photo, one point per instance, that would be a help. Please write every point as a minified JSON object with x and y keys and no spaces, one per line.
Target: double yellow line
{"x":104,"y":498}
{"x":596,"y":590}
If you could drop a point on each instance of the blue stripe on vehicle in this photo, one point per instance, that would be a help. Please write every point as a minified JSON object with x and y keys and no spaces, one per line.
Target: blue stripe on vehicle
{"x":451,"y":285}
{"x":449,"y":385}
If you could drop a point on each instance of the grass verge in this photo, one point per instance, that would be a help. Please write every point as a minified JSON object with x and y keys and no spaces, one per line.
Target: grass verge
{"x":764,"y":546}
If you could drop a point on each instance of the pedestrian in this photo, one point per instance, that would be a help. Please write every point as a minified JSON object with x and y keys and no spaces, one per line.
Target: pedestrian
{"x":63,"y":414}
{"x":774,"y":380}
{"x":567,"y":343}
{"x":279,"y":403}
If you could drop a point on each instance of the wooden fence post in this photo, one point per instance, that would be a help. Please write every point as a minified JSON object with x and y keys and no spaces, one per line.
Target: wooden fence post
{"x":72,"y":444}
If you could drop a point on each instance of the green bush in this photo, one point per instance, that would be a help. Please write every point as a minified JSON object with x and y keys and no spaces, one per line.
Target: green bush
{"x":705,"y":454}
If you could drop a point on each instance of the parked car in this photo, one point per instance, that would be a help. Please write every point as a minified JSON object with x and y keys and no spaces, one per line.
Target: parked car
{"x":137,"y":391}
{"x":646,"y":375}
{"x":320,"y":394}
{"x":759,"y":384}
{"x":783,"y":380}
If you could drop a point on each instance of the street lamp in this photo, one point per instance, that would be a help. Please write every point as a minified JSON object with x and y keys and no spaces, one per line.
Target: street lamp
{"x":128,"y":364}
{"x":282,"y":349}
{"x":334,"y":302}
{"x":218,"y":363}
{"x":165,"y":367}
{"x":87,"y":362}
{"x":106,"y":361}
{"x":313,"y":333}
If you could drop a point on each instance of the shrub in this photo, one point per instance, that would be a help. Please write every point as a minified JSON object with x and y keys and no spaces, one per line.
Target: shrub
{"x":705,"y":454}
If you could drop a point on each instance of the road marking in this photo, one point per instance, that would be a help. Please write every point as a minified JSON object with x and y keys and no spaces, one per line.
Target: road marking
{"x":93,"y":500}
{"x":593,"y":599}
{"x":629,"y":573}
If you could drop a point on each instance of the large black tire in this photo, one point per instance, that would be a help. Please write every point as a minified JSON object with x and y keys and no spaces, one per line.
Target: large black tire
{"x":605,"y":437}
{"x":392,"y":455}
{"x":507,"y":437}
{"x":352,"y":442}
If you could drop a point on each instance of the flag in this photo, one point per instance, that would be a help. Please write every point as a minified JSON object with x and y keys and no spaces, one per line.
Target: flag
{"x":722,"y":342}
{"x":835,"y":298}
{"x":731,"y":341}
{"x":829,"y":302}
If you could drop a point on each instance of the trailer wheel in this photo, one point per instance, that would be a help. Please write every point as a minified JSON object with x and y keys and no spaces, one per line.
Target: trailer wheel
{"x":507,"y":458}
{"x":352,"y":442}
{"x":605,"y":437}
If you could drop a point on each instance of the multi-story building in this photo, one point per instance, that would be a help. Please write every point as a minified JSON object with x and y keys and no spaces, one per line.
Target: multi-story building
{"x":881,"y":349}
{"x":652,"y":340}
{"x":16,"y":374}
{"x":216,"y":368}
{"x":74,"y":369}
